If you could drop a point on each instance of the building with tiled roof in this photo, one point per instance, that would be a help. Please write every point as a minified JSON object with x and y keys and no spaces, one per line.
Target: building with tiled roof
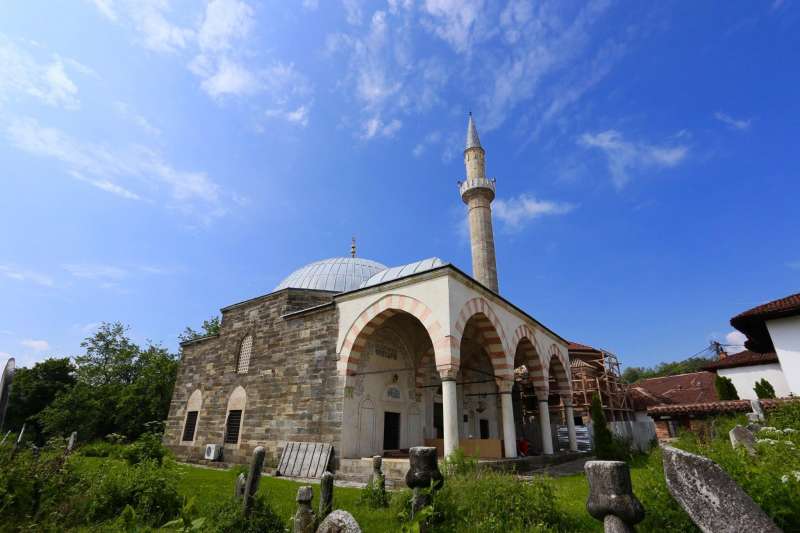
{"x":771,"y":328}
{"x":746,"y":368}
{"x":693,"y":387}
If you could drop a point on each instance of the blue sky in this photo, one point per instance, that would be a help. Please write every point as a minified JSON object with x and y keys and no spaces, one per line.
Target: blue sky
{"x":163,"y":159}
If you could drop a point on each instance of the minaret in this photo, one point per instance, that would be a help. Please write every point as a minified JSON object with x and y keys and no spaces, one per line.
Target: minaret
{"x":478,"y":192}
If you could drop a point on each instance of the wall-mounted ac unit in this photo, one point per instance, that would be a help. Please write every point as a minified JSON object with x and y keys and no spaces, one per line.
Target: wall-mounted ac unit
{"x":213,"y":452}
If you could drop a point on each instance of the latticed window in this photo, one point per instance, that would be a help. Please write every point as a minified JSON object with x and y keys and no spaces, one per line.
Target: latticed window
{"x":243,"y":364}
{"x":232,"y":427}
{"x":190,"y":427}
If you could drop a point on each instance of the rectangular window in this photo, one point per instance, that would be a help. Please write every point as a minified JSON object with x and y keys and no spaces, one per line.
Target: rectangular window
{"x":191,"y":425}
{"x":232,"y":427}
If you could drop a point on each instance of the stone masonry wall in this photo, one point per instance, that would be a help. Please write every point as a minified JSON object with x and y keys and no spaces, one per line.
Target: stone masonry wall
{"x":293,"y":389}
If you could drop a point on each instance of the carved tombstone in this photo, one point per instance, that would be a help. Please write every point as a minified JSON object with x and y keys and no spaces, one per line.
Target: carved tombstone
{"x":304,"y":518}
{"x":376,"y":479}
{"x":71,"y":443}
{"x":239,"y":486}
{"x":253,"y":477}
{"x":339,"y":522}
{"x":611,"y":499}
{"x":715,"y":503}
{"x":325,"y":495}
{"x":423,"y":473}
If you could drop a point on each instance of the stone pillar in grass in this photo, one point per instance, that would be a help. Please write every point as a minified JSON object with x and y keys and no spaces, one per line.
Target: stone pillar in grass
{"x":611,"y":499}
{"x":71,"y":443}
{"x":423,"y":474}
{"x":253,"y":477}
{"x":325,"y":495}
{"x":239,"y":486}
{"x":377,"y":481}
{"x":304,"y":519}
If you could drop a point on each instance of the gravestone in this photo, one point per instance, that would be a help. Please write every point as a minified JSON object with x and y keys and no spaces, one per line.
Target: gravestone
{"x":239,"y":486}
{"x":71,"y":443}
{"x":325,"y":495}
{"x":611,"y":499}
{"x":741,"y":437}
{"x":253,"y":477}
{"x":304,"y":519}
{"x":339,"y":522}
{"x":423,"y":473}
{"x":715,"y":503}
{"x":755,"y":405}
{"x":376,"y":479}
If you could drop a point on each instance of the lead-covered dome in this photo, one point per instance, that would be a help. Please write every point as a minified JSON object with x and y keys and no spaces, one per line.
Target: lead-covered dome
{"x":340,"y":274}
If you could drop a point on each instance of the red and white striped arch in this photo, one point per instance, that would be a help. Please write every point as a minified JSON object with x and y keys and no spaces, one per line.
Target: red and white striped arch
{"x":557,"y":369}
{"x":490,"y":328}
{"x":376,"y":314}
{"x":528,"y":349}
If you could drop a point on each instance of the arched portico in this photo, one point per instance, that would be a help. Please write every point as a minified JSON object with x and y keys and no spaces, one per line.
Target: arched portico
{"x":560,"y":387}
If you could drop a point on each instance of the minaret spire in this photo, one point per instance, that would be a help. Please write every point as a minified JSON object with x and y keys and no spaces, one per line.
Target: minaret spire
{"x":478,"y":192}
{"x":353,"y":246}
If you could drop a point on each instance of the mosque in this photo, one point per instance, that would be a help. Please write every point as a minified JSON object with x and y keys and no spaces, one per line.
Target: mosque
{"x":374,"y":360}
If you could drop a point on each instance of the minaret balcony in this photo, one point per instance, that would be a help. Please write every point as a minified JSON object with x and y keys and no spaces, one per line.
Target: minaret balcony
{"x":476,"y":183}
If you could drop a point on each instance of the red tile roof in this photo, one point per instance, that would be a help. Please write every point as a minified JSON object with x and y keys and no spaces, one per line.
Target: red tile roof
{"x":578,"y":347}
{"x":683,"y":388}
{"x":718,"y":407}
{"x":752,"y":321}
{"x":642,"y":398}
{"x":745,"y":358}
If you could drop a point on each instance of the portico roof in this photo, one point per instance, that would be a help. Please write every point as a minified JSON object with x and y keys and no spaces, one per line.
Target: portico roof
{"x":753,"y":321}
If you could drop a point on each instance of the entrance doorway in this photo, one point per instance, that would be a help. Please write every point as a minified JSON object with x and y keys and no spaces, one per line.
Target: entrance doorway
{"x":391,"y":431}
{"x":438,"y":419}
{"x":484,"y":426}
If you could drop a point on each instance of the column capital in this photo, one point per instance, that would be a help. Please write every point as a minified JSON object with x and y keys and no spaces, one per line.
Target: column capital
{"x":448,"y":372}
{"x":504,"y":386}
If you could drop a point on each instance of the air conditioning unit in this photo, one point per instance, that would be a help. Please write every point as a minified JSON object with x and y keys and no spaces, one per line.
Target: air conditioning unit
{"x":213,"y":452}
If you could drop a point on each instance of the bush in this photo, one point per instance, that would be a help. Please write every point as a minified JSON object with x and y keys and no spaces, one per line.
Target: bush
{"x":764,"y":389}
{"x":459,"y":463}
{"x":725,"y":388}
{"x":228,"y":516}
{"x":373,"y":497}
{"x":605,"y":447}
{"x":787,"y":415}
{"x":101,"y":449}
{"x":147,"y":447}
{"x":491,"y":502}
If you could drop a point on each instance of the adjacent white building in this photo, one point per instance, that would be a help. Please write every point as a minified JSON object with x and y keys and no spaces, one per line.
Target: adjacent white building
{"x":746,"y":368}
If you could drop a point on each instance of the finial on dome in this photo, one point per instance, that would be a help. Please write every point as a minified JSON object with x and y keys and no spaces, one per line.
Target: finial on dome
{"x":472,"y":135}
{"x":353,"y":246}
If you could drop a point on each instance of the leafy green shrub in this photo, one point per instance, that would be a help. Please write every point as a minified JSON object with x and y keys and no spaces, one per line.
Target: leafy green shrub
{"x":764,"y":389}
{"x":147,"y":447}
{"x":228,"y":516}
{"x":458,"y":463}
{"x":101,"y":449}
{"x":603,"y":439}
{"x":769,"y":477}
{"x":373,"y":497}
{"x":787,"y":415}
{"x":725,"y":388}
{"x":492,"y":502}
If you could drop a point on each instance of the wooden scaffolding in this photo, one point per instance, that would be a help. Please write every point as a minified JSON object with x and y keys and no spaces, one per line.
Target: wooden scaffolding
{"x":597,"y":371}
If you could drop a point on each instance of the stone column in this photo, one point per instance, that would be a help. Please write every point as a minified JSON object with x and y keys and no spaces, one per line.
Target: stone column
{"x":544,"y":423}
{"x":509,"y":430}
{"x":573,"y":441}
{"x":450,"y":409}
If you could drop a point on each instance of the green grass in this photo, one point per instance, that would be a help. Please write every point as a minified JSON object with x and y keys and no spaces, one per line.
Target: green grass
{"x":207,"y":486}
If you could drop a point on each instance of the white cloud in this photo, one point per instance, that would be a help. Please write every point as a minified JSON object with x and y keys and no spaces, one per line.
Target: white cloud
{"x":516,"y":212}
{"x":354,"y":13}
{"x":106,"y":7}
{"x":158,"y":33}
{"x":375,"y":127}
{"x":735,"y":341}
{"x":46,"y":81}
{"x":430,"y":139}
{"x":297,"y":116}
{"x":455,"y":21}
{"x":18,"y":274}
{"x":36,"y":345}
{"x":626,"y":156}
{"x":737,"y":124}
{"x":95,"y":272}
{"x":125,"y":111}
{"x":225,"y":22}
{"x":186,"y":190}
{"x":229,"y":78}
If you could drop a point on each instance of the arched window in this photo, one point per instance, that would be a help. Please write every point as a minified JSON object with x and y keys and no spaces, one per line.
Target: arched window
{"x":243,"y":363}
{"x":233,"y":420}
{"x":192,"y":412}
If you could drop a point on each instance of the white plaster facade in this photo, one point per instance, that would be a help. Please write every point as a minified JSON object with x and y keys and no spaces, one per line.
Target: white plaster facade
{"x":744,"y":379}
{"x":785,"y":335}
{"x":443,"y":303}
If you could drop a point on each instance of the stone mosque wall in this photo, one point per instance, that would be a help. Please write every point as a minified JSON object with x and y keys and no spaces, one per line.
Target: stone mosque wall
{"x":290,"y":391}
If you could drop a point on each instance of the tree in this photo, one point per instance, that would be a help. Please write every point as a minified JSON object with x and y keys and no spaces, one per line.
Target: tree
{"x":725,"y":388}
{"x":603,"y":439}
{"x":119,"y":388}
{"x":633,"y":374}
{"x":764,"y":389}
{"x":210,"y":327}
{"x":35,"y":388}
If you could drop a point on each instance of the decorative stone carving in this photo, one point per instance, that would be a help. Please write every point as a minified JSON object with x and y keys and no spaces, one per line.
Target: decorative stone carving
{"x":611,"y":499}
{"x":239,"y":485}
{"x":376,"y":479}
{"x":712,"y":499}
{"x":253,"y":477}
{"x":423,"y":473}
{"x":304,"y":517}
{"x":339,"y":522}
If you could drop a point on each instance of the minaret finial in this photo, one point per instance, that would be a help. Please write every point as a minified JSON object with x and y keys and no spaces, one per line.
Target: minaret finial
{"x":473,"y":141}
{"x":353,"y":246}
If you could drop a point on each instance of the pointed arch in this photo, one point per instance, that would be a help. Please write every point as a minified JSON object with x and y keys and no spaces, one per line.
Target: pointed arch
{"x":557,"y":371}
{"x":490,"y":328}
{"x":528,"y":352}
{"x":376,"y":314}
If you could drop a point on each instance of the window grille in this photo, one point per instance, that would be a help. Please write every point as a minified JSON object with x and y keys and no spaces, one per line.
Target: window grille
{"x":190,"y":427}
{"x":246,"y":348}
{"x":232,"y":427}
